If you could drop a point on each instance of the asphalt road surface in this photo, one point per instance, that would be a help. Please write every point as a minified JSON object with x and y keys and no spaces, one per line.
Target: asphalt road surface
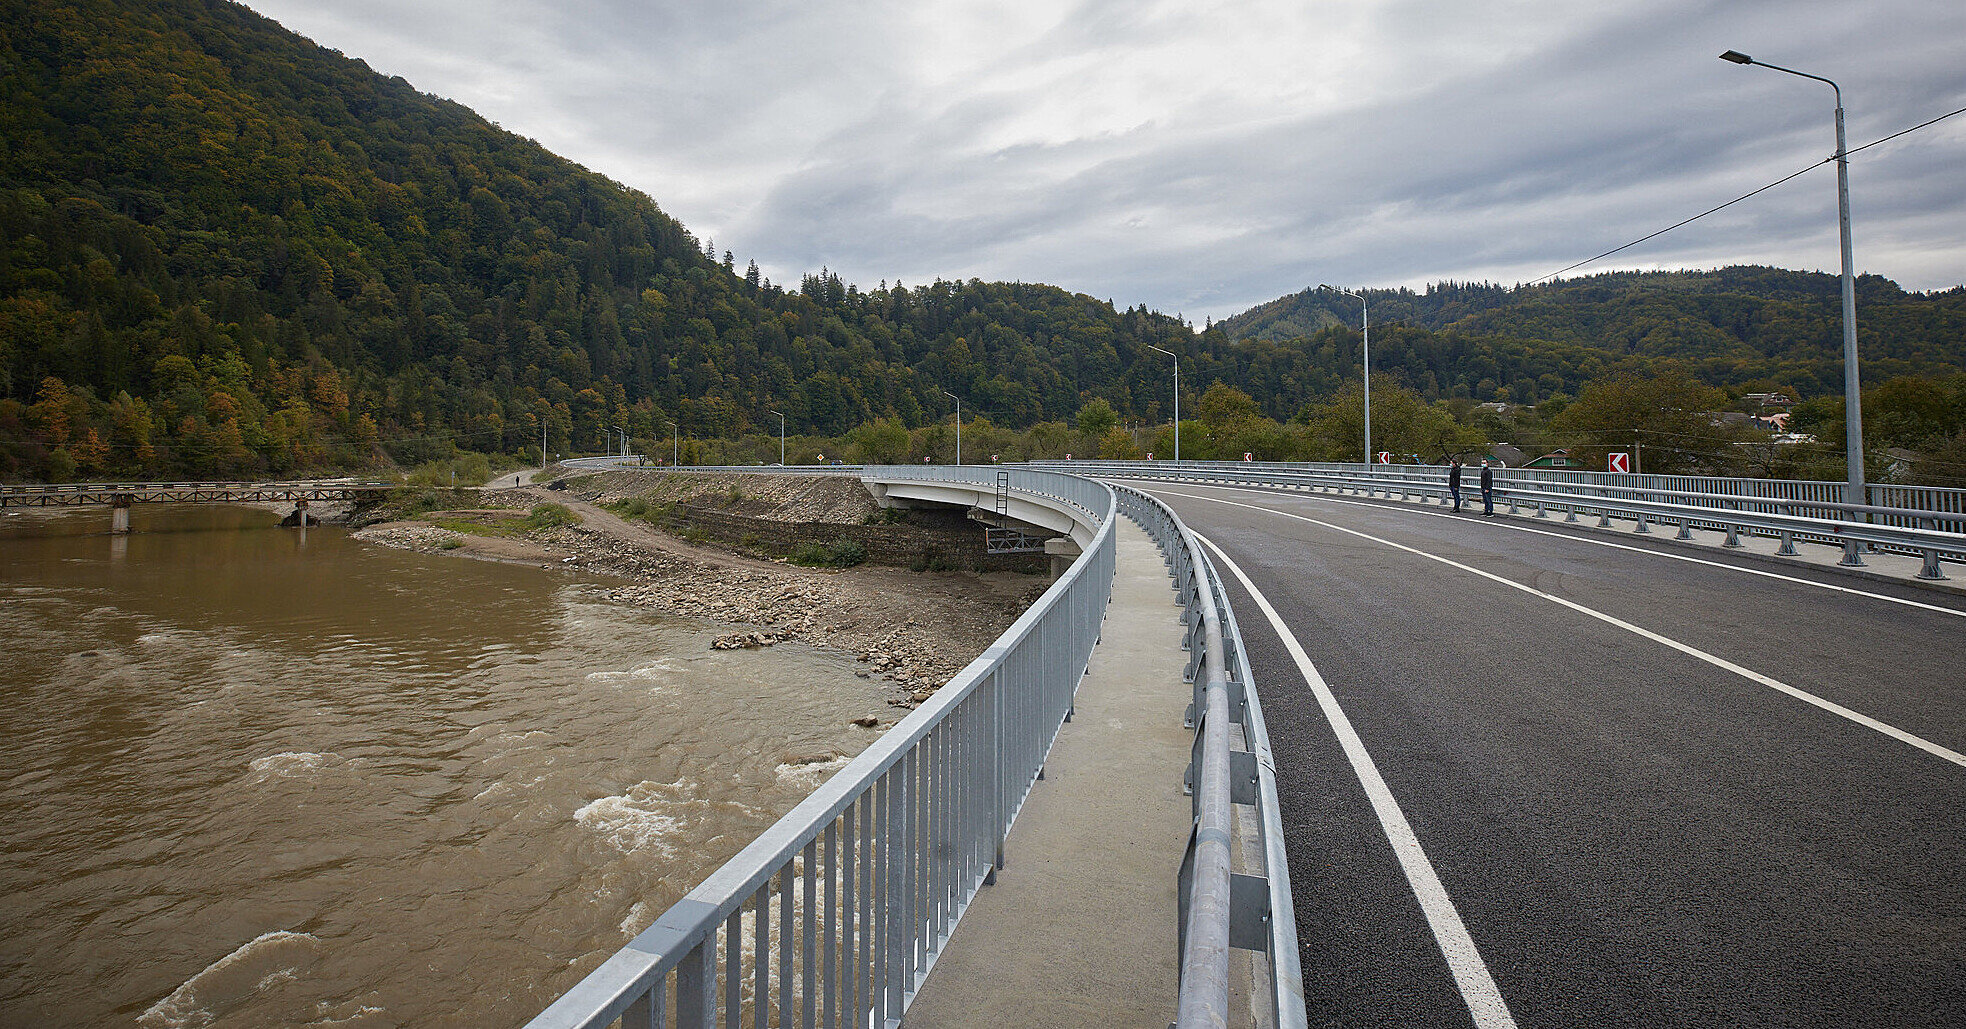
{"x":1653,"y":792}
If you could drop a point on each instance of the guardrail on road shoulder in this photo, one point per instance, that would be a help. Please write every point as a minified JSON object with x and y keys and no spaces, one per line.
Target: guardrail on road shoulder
{"x":1221,"y":908}
{"x":1932,"y":534}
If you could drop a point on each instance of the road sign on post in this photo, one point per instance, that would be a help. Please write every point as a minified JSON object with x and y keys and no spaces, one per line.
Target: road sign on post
{"x":1385,"y":457}
{"x":1618,"y":461}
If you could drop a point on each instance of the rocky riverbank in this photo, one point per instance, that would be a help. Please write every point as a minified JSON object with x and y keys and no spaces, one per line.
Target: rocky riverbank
{"x":912,"y":629}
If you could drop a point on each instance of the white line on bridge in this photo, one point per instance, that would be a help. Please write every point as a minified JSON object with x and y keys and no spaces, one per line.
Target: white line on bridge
{"x":1718,"y":662}
{"x":1577,"y":539}
{"x":1477,"y":987}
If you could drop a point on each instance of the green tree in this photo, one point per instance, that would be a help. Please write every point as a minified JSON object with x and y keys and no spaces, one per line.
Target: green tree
{"x":1669,"y":415}
{"x":1096,"y":417}
{"x":881,"y":441}
{"x":1118,"y":445}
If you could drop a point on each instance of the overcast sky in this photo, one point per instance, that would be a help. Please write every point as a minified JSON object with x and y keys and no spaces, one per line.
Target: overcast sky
{"x":1203,"y":157}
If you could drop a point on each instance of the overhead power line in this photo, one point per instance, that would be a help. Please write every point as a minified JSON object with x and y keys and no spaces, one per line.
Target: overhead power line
{"x":1738,"y":199}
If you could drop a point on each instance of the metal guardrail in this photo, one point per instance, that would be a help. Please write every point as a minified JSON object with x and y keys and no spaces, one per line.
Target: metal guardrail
{"x":1933,"y":534}
{"x":632,"y":463}
{"x":835,"y":914}
{"x":1221,"y":908}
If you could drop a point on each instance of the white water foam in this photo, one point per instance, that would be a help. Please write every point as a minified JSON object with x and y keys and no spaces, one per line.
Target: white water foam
{"x":649,"y":814}
{"x":810,"y":774}
{"x":639,"y":918}
{"x":289,"y":764}
{"x":654,"y":672}
{"x":269,"y":960}
{"x":640,"y":819}
{"x":350,"y":1013}
{"x":503,"y":787}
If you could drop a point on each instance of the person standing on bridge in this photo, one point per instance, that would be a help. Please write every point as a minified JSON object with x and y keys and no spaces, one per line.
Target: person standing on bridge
{"x":1454,"y":482}
{"x":1487,"y":490}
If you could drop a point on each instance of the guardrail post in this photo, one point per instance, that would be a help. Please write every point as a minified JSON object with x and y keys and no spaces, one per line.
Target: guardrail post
{"x":696,"y":986}
{"x":1787,"y":549}
{"x":1733,"y":536}
{"x":1685,"y":528}
{"x":1642,"y":527}
{"x":1604,"y":518}
{"x":999,"y":787}
{"x":1930,"y":568}
{"x":646,"y":1012}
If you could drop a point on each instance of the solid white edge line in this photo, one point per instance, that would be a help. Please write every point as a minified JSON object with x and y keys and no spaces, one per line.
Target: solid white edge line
{"x":1470,"y":973}
{"x":1806,"y":697}
{"x":1579,"y":539}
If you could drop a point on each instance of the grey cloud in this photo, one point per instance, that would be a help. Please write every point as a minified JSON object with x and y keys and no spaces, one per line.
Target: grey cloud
{"x":1373,"y":143}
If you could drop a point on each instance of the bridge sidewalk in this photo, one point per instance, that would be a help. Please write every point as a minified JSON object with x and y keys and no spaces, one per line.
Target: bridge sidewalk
{"x":1080,"y":927}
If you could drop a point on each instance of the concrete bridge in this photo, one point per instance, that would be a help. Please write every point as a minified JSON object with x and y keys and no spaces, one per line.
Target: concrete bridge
{"x":121,"y":496}
{"x":1530,"y":769}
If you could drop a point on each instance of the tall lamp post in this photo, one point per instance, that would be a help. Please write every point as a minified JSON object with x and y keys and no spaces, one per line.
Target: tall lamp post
{"x":1177,"y":399}
{"x":1853,"y":415}
{"x":675,"y":445}
{"x":1365,"y":338}
{"x":781,"y":439}
{"x":959,"y":426}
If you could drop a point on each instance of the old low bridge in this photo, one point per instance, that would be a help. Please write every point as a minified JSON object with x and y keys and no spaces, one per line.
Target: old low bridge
{"x":119,"y":497}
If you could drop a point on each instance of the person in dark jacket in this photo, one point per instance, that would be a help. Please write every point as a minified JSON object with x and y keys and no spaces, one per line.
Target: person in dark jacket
{"x":1454,"y":482}
{"x":1487,"y":490}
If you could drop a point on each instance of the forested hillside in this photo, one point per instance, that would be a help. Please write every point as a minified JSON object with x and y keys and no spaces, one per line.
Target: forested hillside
{"x":225,"y":251}
{"x":1731,"y":326}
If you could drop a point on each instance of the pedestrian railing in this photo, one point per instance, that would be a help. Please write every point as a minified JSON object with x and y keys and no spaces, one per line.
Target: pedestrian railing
{"x":1231,"y":898}
{"x":1788,"y":511}
{"x":835,"y":914}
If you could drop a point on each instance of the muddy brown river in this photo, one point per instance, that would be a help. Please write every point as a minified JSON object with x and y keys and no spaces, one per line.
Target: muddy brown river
{"x":248,"y":779}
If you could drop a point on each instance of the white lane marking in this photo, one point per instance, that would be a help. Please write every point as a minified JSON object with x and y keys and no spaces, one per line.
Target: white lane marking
{"x":1477,"y":987}
{"x":1718,"y":662}
{"x":1960,"y":613}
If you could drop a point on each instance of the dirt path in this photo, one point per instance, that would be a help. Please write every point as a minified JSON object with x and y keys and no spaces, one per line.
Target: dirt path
{"x":602,"y":520}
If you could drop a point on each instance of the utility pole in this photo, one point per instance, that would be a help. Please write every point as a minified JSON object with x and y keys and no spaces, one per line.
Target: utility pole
{"x":1855,"y":494}
{"x":1365,"y":335}
{"x":959,"y":425}
{"x":1177,"y":399}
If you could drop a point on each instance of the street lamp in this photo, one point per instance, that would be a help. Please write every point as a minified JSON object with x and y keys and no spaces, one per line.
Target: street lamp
{"x":1365,"y":345}
{"x":959,"y":426}
{"x":675,"y":445}
{"x":1853,"y":416}
{"x":624,"y":438}
{"x":781,"y":439}
{"x":1177,"y":398}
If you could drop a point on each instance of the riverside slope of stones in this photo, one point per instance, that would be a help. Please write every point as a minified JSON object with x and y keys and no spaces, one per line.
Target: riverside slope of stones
{"x":913,"y":629}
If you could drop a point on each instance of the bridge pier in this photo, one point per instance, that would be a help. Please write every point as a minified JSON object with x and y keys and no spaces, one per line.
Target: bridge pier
{"x":1062,"y":551}
{"x":119,"y":512}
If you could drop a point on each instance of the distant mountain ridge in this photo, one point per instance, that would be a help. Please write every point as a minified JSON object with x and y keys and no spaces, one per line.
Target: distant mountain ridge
{"x":1745,"y":321}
